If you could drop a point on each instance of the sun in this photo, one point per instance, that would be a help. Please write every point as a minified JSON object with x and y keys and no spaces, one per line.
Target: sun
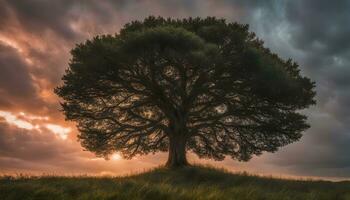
{"x":116,"y":156}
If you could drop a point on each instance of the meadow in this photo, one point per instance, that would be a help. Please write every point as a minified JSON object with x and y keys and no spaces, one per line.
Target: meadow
{"x":197,"y":182}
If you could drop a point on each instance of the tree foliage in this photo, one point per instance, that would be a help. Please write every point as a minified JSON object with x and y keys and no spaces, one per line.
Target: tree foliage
{"x":195,"y":84}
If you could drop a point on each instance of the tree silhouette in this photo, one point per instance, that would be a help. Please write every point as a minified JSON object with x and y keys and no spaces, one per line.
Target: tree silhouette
{"x":202,"y":85}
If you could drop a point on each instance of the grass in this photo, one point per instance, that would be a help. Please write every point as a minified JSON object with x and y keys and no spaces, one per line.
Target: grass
{"x":186,"y":183}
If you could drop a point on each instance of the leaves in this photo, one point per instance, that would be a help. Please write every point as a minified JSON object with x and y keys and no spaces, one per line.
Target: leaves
{"x":210,"y":81}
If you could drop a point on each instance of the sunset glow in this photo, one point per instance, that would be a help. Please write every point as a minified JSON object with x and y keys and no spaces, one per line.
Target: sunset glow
{"x":62,"y":132}
{"x":12,"y":119}
{"x":116,"y":156}
{"x":26,"y":121}
{"x":11,"y":43}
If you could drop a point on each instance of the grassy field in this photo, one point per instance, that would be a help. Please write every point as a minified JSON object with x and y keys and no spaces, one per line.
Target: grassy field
{"x":186,"y":183}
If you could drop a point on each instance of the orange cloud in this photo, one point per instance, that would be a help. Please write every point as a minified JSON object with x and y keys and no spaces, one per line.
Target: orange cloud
{"x":29,"y":122}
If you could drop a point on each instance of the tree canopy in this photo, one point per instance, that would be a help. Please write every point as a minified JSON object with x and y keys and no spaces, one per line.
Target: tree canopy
{"x":200,"y":85}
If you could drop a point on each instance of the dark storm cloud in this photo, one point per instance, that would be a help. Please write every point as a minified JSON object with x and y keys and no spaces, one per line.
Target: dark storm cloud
{"x":13,"y":69}
{"x":320,"y":29}
{"x":40,"y":15}
{"x":320,"y":26}
{"x":317,"y":38}
{"x":47,"y":30}
{"x":16,"y":86}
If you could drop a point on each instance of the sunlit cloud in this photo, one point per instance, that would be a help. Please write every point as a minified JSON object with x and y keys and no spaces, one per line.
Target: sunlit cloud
{"x":11,"y":43}
{"x":14,"y":120}
{"x":33,"y":117}
{"x":16,"y":45}
{"x":114,"y":156}
{"x":29,"y":122}
{"x":61,"y":131}
{"x":96,"y":159}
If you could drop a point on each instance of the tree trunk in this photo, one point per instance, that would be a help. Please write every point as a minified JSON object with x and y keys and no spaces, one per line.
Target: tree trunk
{"x":177,"y":152}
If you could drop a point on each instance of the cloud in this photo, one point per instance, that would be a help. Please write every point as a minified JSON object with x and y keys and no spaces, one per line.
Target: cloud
{"x":37,"y":151}
{"x":320,"y":25}
{"x":30,"y":144}
{"x":314,"y":34}
{"x":33,"y":122}
{"x":12,"y":119}
{"x":16,"y":85}
{"x":37,"y":16}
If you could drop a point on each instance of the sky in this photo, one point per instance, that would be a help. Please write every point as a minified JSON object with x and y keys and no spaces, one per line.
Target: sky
{"x":37,"y":35}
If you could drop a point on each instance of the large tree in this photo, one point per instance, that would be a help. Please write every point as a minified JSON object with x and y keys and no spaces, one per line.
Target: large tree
{"x":202,"y":85}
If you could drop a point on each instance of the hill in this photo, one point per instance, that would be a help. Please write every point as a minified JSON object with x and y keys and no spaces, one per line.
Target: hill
{"x":185,"y":183}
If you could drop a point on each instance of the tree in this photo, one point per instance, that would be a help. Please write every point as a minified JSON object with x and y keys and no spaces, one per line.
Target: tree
{"x":202,"y":85}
